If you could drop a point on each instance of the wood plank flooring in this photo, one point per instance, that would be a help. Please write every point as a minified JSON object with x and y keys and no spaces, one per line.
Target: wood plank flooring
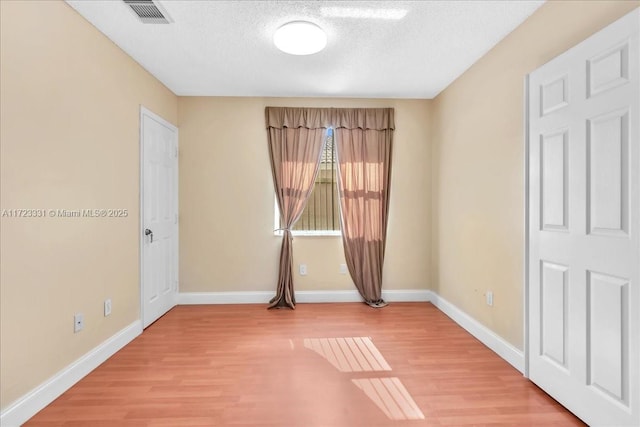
{"x":243,"y":365}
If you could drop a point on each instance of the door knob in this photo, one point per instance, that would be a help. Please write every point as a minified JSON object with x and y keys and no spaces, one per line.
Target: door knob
{"x":148,"y":232}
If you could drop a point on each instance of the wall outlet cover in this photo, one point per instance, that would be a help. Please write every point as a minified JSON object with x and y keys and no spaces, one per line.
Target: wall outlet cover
{"x":78,"y":322}
{"x":489,"y":298}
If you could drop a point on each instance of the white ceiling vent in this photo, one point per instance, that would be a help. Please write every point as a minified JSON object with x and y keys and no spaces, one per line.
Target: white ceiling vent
{"x":149,"y":11}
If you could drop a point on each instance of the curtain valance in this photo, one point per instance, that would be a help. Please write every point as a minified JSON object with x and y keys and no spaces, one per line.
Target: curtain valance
{"x":323,"y":118}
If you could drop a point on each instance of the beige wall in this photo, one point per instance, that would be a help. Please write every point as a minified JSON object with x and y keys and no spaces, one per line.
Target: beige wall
{"x":69,"y":101}
{"x":478,"y":164}
{"x":227,"y":200}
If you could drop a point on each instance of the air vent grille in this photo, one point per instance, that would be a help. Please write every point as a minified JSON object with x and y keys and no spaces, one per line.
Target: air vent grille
{"x":148,"y":11}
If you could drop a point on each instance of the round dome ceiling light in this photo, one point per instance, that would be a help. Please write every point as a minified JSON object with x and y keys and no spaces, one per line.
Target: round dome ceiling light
{"x":300,"y":38}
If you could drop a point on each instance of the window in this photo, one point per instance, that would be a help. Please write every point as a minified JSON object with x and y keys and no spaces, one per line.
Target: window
{"x":321,"y":216}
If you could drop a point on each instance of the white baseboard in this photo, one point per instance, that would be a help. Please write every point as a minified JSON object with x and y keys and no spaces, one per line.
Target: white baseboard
{"x":406,"y":295}
{"x":249,"y":297}
{"x":34,"y":401}
{"x":263,"y":297}
{"x":485,"y":335}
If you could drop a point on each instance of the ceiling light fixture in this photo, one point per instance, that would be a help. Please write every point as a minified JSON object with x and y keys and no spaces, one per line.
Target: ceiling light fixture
{"x":300,"y":38}
{"x":363,"y":13}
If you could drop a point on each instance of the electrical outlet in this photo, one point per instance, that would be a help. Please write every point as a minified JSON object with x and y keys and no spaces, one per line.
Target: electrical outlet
{"x":107,"y":307}
{"x":303,"y":269}
{"x":78,"y":322}
{"x":489,"y":296}
{"x":343,"y":269}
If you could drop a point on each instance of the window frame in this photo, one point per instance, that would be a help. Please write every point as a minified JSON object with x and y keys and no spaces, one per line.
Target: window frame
{"x":277,"y":231}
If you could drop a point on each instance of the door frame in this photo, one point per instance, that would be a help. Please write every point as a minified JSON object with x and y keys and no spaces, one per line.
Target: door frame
{"x":526,"y":227}
{"x":141,"y":236}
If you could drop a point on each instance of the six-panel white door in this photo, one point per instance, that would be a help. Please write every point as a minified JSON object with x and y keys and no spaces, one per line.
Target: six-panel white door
{"x":584,"y":233}
{"x":159,"y":223}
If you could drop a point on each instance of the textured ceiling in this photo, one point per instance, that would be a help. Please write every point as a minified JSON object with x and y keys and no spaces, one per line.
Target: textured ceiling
{"x":225,"y":48}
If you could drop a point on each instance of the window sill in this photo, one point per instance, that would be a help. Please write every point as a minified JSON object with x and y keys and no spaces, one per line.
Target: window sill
{"x":312,"y":233}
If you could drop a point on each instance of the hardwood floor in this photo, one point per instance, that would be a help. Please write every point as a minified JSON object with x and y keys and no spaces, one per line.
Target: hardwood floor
{"x":245,"y":365}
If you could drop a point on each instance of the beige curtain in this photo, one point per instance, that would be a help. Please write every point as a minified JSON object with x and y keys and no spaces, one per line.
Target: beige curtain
{"x":295,"y":137}
{"x":364,"y":140}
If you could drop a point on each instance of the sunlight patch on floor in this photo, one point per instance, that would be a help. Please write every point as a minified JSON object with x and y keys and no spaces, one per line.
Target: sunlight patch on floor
{"x":390,"y":395}
{"x":352,"y":354}
{"x":359,"y":354}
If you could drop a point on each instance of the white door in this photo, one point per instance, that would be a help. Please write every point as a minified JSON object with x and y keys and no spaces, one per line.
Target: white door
{"x":159,"y":216}
{"x":584,"y":227}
